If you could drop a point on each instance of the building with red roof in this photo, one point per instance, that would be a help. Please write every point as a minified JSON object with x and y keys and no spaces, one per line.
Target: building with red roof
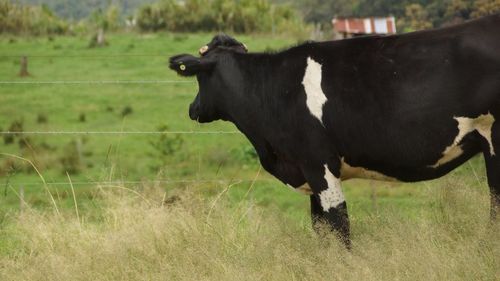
{"x":351,"y":27}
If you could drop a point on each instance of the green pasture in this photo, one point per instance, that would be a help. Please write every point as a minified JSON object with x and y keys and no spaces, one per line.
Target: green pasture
{"x":150,"y":107}
{"x":140,"y":207}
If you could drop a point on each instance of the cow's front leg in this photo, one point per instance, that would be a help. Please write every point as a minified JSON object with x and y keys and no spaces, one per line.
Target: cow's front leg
{"x":328,"y":206}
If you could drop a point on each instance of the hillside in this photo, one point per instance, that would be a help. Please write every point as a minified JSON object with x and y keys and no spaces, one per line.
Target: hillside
{"x":79,"y":9}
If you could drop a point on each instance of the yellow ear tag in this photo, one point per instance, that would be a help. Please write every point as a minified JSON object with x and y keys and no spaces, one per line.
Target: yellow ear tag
{"x":182,"y":67}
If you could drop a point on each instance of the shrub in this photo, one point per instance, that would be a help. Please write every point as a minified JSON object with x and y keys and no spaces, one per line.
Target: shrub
{"x":246,"y":154}
{"x":241,"y":16}
{"x":82,"y":117}
{"x":42,"y":118}
{"x":28,"y":19}
{"x":15,"y":126}
{"x":72,"y":159}
{"x":127,"y":110}
{"x":165,"y":146}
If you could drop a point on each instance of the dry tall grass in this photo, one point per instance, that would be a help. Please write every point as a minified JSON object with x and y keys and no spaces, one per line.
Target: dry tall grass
{"x":139,"y":238}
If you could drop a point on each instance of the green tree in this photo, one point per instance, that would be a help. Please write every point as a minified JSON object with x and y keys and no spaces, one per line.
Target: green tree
{"x":225,"y":15}
{"x":321,"y":11}
{"x":104,"y":21}
{"x":82,"y":9}
{"x":382,"y":8}
{"x":485,"y":7}
{"x":416,"y":18}
{"x":29,"y":19}
{"x":457,"y":11}
{"x":240,"y":16}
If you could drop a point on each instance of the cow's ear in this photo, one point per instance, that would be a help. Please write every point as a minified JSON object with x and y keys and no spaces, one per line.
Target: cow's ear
{"x":188,"y":65}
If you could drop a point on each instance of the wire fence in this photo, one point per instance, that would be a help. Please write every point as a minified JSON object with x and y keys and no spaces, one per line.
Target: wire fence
{"x":111,"y":82}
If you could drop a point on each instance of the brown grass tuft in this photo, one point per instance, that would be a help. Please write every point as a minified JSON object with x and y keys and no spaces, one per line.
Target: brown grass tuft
{"x":140,"y":238}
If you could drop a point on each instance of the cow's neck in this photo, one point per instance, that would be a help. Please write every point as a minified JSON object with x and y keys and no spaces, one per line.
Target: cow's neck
{"x":268,"y":84}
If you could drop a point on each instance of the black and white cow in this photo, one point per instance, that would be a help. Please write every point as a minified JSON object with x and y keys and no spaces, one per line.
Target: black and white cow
{"x":406,"y":108}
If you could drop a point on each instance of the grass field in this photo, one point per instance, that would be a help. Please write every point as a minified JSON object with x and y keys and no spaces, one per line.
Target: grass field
{"x":258,"y":229}
{"x":154,"y":107}
{"x":139,"y":237}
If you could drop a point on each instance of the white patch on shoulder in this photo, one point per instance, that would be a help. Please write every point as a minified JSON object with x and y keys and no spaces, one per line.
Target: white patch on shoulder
{"x":349,"y":172}
{"x":482,"y":124}
{"x":332,"y":196}
{"x":312,"y":84}
{"x":304,"y":189}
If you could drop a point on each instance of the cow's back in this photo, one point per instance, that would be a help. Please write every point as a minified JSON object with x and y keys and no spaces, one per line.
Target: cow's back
{"x":392,"y":100}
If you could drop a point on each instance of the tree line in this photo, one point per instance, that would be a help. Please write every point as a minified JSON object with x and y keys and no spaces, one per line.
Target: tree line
{"x":35,"y":20}
{"x":411,"y":15}
{"x":238,"y":16}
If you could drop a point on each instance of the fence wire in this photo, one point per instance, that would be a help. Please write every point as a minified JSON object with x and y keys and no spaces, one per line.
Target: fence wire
{"x":95,"y":82}
{"x":85,"y":56}
{"x":119,"y":132}
{"x":165,"y":181}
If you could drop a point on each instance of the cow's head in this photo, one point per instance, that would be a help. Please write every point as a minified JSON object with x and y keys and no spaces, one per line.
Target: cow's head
{"x":216,"y":77}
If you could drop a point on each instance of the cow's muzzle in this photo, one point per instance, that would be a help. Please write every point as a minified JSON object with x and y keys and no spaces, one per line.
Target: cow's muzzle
{"x":194,"y":111}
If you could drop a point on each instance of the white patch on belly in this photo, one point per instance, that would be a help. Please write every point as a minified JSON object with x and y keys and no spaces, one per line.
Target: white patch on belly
{"x":450,"y":153}
{"x":482,"y":124}
{"x":332,"y":196}
{"x":349,"y":172}
{"x":483,"y":127}
{"x":304,"y":189}
{"x":312,"y":84}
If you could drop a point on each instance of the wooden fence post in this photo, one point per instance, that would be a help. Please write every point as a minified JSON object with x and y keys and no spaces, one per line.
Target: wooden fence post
{"x":24,"y":67}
